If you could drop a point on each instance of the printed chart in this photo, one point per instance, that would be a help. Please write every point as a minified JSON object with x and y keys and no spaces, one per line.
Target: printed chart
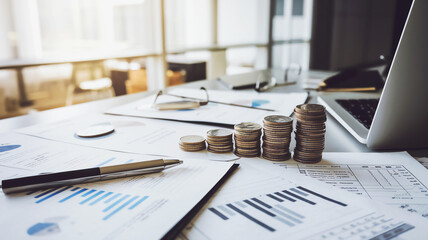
{"x":117,"y":208}
{"x":112,"y":202}
{"x":280,"y":209}
{"x":275,"y":207}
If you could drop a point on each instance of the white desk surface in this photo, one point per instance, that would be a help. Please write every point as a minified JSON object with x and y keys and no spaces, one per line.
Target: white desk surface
{"x":337,"y":138}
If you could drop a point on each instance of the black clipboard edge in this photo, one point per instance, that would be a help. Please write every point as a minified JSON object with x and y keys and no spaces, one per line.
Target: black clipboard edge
{"x":172,"y":234}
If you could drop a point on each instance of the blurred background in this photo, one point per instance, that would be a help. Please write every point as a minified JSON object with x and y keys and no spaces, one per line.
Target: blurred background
{"x":55,"y":53}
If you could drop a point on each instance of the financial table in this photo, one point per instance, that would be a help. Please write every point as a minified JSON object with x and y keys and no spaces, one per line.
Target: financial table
{"x":371,"y":181}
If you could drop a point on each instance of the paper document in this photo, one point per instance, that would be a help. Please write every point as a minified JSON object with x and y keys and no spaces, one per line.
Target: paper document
{"x":250,"y":206}
{"x":392,"y":178}
{"x":145,"y":206}
{"x":136,"y":135}
{"x":213,"y":112}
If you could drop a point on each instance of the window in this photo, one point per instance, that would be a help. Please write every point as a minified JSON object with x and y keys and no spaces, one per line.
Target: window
{"x":79,"y":27}
{"x":292,"y":33}
{"x":231,"y":36}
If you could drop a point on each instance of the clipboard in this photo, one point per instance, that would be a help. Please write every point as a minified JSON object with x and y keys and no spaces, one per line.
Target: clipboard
{"x":352,"y":81}
{"x":172,"y":234}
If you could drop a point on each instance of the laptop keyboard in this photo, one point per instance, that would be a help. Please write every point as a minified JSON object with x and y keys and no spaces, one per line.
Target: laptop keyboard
{"x":361,"y":109}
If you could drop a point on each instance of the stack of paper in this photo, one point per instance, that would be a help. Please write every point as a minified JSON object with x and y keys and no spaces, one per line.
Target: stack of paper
{"x":215,"y":112}
{"x":260,"y":202}
{"x":135,"y":135}
{"x":146,"y":206}
{"x":395,"y":179}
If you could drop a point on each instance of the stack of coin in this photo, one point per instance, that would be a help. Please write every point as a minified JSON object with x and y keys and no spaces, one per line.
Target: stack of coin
{"x":247,"y":139}
{"x":276,"y":137}
{"x":219,"y":141}
{"x":310,"y":131}
{"x":192,"y":143}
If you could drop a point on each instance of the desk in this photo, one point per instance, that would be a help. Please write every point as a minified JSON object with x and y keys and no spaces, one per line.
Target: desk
{"x":20,"y":64}
{"x":337,"y":138}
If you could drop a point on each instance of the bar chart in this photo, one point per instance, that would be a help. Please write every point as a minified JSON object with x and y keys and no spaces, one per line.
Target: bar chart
{"x":146,"y":206}
{"x":277,"y":205}
{"x":111,"y":203}
{"x":278,"y":208}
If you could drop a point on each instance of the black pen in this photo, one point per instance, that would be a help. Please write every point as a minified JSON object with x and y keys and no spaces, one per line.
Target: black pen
{"x":50,"y":180}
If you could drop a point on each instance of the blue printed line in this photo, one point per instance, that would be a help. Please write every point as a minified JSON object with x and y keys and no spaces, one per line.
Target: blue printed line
{"x":91,"y":197}
{"x":111,"y":199}
{"x":47,"y":192}
{"x":101,"y":198}
{"x":105,"y":162}
{"x":138,"y":202}
{"x":53,"y":194}
{"x":120,"y":208}
{"x":115,"y":203}
{"x":72,"y":195}
{"x":129,"y":161}
{"x":87,"y":193}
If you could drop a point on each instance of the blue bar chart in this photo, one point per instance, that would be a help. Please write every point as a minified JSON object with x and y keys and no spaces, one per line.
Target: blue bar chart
{"x":112,"y":203}
{"x":280,"y":206}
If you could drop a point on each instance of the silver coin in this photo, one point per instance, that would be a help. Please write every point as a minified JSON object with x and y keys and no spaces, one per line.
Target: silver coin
{"x":278,"y":119}
{"x":95,"y":131}
{"x":192,"y":139}
{"x":309,"y":109}
{"x":248,"y":126}
{"x":219,"y":133}
{"x":313,"y":108}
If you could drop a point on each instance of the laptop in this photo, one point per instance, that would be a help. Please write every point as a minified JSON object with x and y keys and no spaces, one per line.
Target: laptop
{"x":396,"y":117}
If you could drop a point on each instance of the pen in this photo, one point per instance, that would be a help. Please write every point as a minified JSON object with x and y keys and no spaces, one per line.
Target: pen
{"x":80,"y":176}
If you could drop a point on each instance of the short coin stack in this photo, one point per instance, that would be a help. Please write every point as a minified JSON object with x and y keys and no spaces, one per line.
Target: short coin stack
{"x":310,"y":131}
{"x":247,"y":139}
{"x":192,"y":143}
{"x":219,"y":141}
{"x":276,"y":138}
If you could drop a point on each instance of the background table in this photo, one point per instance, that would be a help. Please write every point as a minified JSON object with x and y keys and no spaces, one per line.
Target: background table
{"x":338,"y":139}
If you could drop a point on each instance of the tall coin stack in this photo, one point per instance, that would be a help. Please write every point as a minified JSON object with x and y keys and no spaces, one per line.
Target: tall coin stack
{"x":219,"y":141}
{"x":310,"y":131}
{"x":276,"y":137}
{"x":247,"y":139}
{"x":192,"y":143}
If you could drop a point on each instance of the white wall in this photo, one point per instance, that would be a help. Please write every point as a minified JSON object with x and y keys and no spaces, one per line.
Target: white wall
{"x":6,"y":30}
{"x":243,"y":21}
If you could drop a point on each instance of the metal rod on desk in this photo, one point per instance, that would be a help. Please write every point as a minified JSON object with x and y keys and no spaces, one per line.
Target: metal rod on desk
{"x":230,"y":104}
{"x":23,"y":100}
{"x":270,"y":36}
